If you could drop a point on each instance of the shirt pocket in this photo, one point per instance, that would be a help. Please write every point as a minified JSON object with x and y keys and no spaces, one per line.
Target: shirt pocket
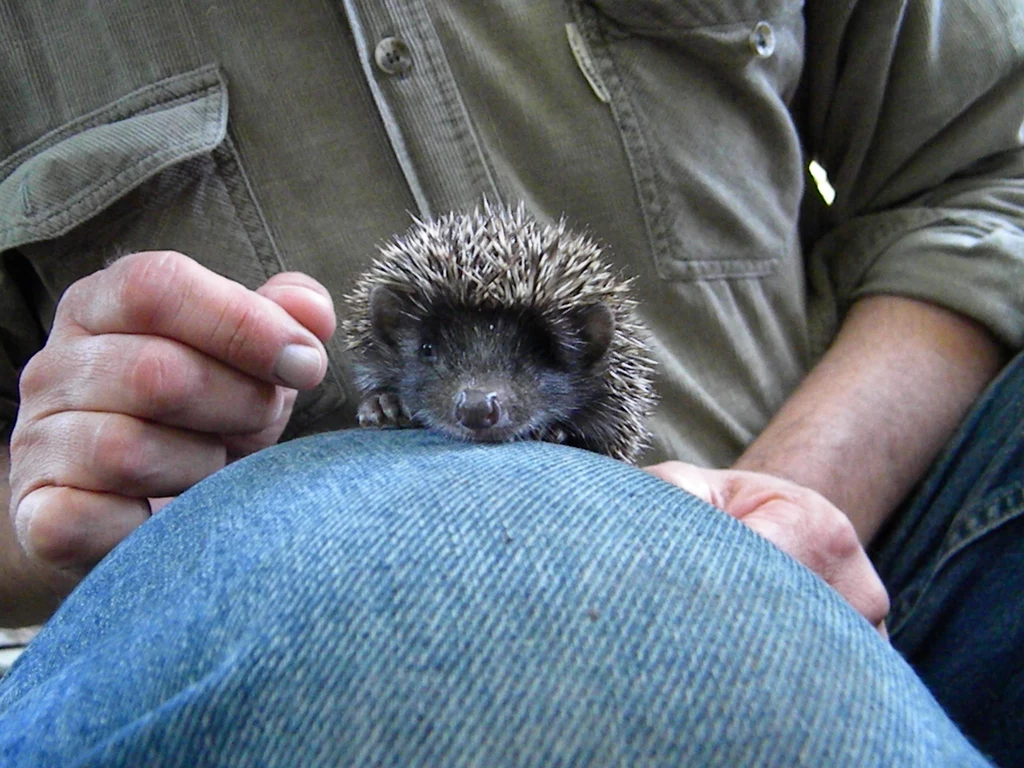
{"x":155,"y":170}
{"x":700,"y":94}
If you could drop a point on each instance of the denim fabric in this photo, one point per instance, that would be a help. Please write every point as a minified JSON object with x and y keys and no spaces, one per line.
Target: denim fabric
{"x":389,"y":598}
{"x":954,"y":567}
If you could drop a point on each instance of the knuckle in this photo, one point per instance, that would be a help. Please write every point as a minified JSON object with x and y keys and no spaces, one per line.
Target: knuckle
{"x":74,"y":295}
{"x":32,"y":457}
{"x":162,"y":382}
{"x":21,"y":440}
{"x":38,"y":374}
{"x":62,"y":375}
{"x":834,"y":546}
{"x":151,"y":287}
{"x":242,"y":328}
{"x":840,"y":538}
{"x":123,"y":453}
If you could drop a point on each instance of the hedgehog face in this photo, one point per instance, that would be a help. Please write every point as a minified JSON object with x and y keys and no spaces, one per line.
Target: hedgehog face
{"x":490,"y":374}
{"x":484,"y":375}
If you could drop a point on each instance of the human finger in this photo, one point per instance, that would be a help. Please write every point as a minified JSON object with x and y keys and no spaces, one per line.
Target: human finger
{"x":827,"y":544}
{"x":305,"y":299}
{"x":797,"y":520}
{"x":109,"y":453}
{"x":73,"y":529}
{"x":164,"y":293}
{"x":239,"y":445}
{"x":688,"y":477}
{"x":310,"y":303}
{"x":149,"y":377}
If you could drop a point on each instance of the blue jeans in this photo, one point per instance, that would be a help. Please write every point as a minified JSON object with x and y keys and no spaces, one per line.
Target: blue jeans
{"x":953,"y":562}
{"x":390,"y":598}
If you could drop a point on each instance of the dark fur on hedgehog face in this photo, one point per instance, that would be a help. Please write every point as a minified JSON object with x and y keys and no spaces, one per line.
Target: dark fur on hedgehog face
{"x":493,"y":374}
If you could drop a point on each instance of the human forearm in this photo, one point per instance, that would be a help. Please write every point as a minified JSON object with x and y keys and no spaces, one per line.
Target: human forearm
{"x":867,"y":422}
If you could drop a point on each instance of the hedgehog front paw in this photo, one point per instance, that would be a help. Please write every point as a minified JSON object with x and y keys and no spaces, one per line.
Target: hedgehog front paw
{"x":382,"y":409}
{"x":553,"y":434}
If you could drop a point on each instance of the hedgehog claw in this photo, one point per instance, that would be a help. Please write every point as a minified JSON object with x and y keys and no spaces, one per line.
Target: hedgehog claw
{"x":382,"y":409}
{"x":554,"y":435}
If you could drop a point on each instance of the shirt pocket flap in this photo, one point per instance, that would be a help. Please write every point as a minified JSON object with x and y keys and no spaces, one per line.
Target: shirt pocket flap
{"x":72,"y":173}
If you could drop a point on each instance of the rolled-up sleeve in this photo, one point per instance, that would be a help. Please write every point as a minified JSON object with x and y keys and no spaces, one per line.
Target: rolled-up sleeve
{"x":920,"y":130}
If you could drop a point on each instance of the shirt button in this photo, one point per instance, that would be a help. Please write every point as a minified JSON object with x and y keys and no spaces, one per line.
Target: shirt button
{"x":393,"y":56}
{"x":762,"y":39}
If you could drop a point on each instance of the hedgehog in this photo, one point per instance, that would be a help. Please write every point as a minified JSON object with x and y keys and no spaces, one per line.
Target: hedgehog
{"x":492,"y":327}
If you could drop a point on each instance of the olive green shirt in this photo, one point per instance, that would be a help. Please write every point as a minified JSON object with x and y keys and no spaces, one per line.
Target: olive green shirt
{"x":260,"y":136}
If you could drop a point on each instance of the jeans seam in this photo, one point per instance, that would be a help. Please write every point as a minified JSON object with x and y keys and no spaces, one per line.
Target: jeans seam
{"x":976,"y":523}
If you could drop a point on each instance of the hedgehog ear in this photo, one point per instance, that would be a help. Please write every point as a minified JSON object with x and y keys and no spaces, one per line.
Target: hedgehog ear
{"x":386,"y":313}
{"x":596,"y":327}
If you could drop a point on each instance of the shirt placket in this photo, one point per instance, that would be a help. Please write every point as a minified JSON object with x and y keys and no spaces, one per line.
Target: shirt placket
{"x":420,"y":105}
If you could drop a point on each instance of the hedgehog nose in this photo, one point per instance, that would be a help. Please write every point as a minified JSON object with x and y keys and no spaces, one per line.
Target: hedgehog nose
{"x":477,"y":409}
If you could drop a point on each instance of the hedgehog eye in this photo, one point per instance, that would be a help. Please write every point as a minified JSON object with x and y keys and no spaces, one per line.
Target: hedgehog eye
{"x":427,"y":350}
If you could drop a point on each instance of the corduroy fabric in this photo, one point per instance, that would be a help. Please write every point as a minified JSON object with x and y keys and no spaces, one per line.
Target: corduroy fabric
{"x":682,"y":150}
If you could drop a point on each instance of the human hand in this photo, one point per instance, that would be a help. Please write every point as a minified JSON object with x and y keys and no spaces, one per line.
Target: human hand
{"x":799,"y":521}
{"x":157,"y":372}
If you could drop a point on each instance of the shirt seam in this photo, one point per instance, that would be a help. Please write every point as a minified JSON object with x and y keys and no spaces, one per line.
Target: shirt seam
{"x":141,"y":167}
{"x":121,"y":109}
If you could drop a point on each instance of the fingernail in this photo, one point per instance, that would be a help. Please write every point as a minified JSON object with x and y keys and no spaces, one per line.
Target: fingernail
{"x":298,"y":366}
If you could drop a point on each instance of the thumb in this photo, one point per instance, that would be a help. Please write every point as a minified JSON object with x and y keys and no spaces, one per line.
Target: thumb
{"x":304,"y":299}
{"x":688,"y":477}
